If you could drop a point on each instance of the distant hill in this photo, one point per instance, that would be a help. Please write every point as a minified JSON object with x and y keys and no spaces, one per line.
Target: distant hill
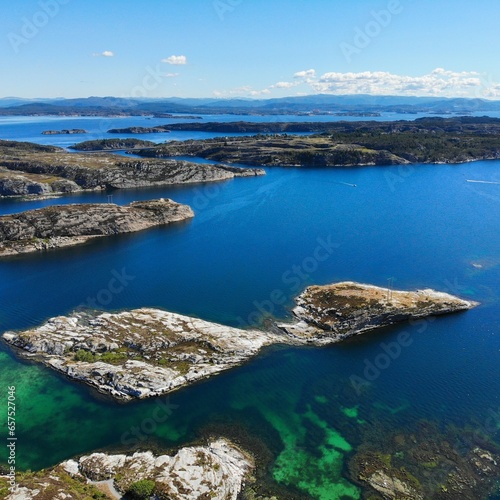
{"x":311,"y":104}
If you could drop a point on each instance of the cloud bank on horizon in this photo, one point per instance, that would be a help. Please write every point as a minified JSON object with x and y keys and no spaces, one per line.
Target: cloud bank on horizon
{"x":438,"y":83}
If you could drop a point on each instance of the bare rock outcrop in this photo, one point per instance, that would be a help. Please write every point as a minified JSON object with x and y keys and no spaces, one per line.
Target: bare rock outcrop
{"x":33,"y":169}
{"x":148,"y":352}
{"x":67,"y":225}
{"x":217,"y":471}
{"x":332,"y":313}
{"x":139,"y":353}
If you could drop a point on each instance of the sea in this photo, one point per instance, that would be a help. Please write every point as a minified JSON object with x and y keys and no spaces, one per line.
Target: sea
{"x":308,"y":413}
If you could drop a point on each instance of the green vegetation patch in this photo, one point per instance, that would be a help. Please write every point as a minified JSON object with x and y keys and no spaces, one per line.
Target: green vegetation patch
{"x":141,"y":490}
{"x":53,"y":482}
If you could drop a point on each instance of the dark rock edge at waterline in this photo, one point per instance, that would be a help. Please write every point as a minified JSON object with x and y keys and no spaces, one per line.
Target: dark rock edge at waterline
{"x":148,"y":352}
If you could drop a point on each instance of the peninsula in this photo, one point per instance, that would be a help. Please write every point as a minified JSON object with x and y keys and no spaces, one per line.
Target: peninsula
{"x":69,"y":225}
{"x":148,"y":352}
{"x":33,"y":169}
{"x":428,"y":140}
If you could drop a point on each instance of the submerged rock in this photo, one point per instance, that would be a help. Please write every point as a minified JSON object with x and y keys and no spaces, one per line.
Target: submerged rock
{"x":332,"y":313}
{"x":425,"y":465}
{"x":67,"y":225}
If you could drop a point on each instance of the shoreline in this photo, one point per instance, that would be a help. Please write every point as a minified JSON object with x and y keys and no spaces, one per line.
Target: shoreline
{"x":147,"y":352}
{"x":60,"y":226}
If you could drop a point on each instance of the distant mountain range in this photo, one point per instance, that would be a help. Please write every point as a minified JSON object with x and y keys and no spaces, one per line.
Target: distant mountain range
{"x":312,"y":104}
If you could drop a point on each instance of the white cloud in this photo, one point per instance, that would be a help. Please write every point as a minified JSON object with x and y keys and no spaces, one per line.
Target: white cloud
{"x":439,"y":82}
{"x":254,"y":93}
{"x":243,"y":91}
{"x":248,"y":91}
{"x":170,"y":75}
{"x":176,"y":60}
{"x":491,"y":92}
{"x":106,"y":53}
{"x":283,"y":85}
{"x":308,"y":73}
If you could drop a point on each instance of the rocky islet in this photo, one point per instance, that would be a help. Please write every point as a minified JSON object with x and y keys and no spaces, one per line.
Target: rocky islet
{"x":148,"y":352}
{"x":68,"y":225}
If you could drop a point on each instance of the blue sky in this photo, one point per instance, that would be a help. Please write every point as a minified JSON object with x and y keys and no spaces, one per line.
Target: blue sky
{"x":249,"y":48}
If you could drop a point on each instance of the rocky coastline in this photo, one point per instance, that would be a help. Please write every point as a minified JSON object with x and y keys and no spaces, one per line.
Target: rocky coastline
{"x":217,"y":470}
{"x":332,"y":313}
{"x":32,"y":169}
{"x":65,"y":131}
{"x":158,"y":129}
{"x":111,"y":145}
{"x":149,"y":352}
{"x":282,"y":151}
{"x":139,"y":353}
{"x":341,"y":143}
{"x":68,"y":225}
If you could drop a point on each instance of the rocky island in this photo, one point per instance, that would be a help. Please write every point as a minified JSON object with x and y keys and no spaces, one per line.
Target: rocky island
{"x":138,"y":353}
{"x":158,"y":129}
{"x":149,"y":352}
{"x":283,"y":151}
{"x":112,"y":145}
{"x":428,"y":140}
{"x":68,"y":225}
{"x":332,"y":313}
{"x":177,"y":117}
{"x":65,"y":131}
{"x":33,"y":169}
{"x":216,"y":470}
{"x":461,"y":125}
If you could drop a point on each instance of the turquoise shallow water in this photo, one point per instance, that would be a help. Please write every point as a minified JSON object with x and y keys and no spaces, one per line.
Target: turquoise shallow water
{"x":424,"y":226}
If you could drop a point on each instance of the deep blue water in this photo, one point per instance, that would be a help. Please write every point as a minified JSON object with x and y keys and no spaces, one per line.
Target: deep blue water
{"x":424,"y":226}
